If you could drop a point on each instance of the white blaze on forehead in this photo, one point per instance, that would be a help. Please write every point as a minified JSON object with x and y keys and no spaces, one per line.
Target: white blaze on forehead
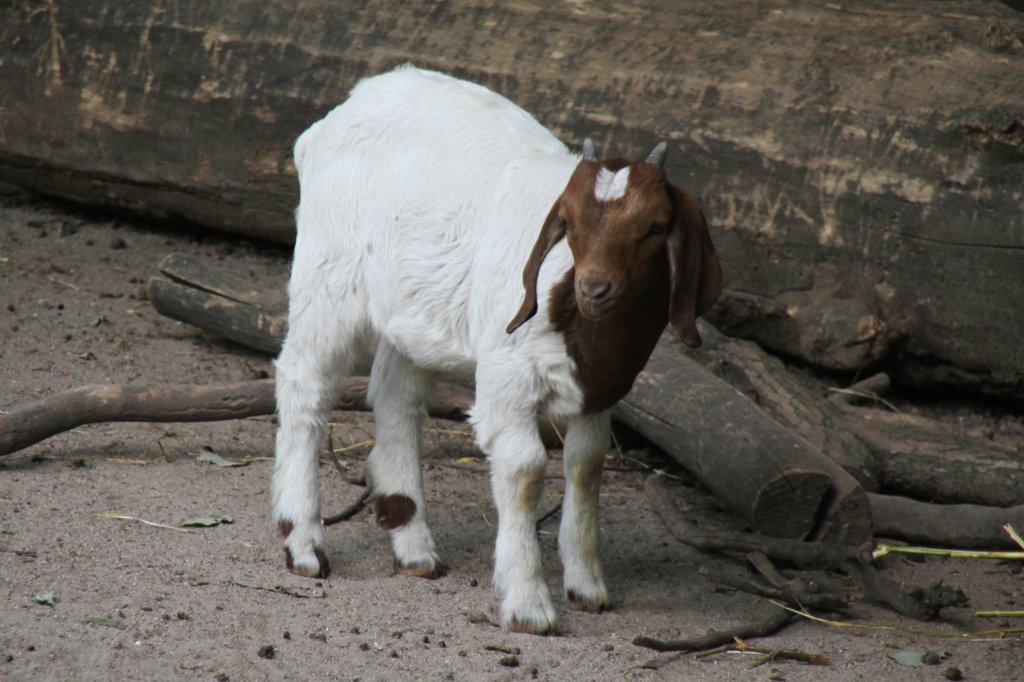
{"x":611,"y":186}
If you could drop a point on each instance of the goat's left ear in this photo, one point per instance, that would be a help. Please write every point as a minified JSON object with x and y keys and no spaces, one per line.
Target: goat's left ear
{"x":694,"y":268}
{"x":552,"y":230}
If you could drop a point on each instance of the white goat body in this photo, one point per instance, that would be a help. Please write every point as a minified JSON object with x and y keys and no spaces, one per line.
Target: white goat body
{"x":421,"y":199}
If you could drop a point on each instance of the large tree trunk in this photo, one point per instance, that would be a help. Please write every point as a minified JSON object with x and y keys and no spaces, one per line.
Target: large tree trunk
{"x":861,"y":165}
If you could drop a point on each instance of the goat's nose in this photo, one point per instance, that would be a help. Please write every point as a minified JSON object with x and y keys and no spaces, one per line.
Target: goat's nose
{"x":595,"y":289}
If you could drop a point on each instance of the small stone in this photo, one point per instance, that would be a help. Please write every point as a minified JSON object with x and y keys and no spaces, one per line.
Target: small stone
{"x":118,"y":243}
{"x":184,"y":615}
{"x":364,"y":646}
{"x":473,"y":582}
{"x":931,"y":658}
{"x":266,"y":652}
{"x":287,"y":635}
{"x":509,"y":661}
{"x":952,"y":673}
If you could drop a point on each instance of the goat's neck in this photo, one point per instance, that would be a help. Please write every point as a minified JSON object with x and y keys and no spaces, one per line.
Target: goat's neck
{"x":610,"y":352}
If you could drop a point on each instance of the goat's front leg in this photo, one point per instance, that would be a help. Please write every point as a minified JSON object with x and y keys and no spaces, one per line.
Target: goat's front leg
{"x":517,"y":458}
{"x":586,"y":441}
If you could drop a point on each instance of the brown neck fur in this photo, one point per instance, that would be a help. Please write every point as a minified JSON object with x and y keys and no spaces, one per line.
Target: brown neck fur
{"x":610,"y":352}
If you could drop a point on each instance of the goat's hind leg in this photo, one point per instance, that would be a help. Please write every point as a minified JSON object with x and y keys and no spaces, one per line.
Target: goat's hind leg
{"x":311,"y":365}
{"x":399,"y":391}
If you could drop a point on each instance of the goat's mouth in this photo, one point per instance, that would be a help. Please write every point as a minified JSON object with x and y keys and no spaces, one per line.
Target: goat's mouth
{"x":595,"y":309}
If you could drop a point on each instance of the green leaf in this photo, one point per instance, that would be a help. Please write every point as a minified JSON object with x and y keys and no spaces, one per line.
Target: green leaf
{"x":208,"y":456}
{"x":913,"y":659}
{"x":207,"y":521}
{"x":45,"y":598}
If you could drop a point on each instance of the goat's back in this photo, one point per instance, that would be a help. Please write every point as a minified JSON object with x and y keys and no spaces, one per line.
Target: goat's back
{"x":414,"y":116}
{"x":421,"y":197}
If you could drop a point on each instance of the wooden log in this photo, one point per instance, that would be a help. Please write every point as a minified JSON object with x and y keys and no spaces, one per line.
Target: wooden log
{"x":781,"y":484}
{"x":189,"y":291}
{"x":963,"y":526}
{"x":862,"y":175}
{"x":39,"y":420}
{"x":884,"y":449}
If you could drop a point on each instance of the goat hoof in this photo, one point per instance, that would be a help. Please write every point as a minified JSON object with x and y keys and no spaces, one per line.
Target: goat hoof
{"x":533,"y":626}
{"x":597,"y":603}
{"x":530,"y":611}
{"x":421,"y":569}
{"x":308,"y":566}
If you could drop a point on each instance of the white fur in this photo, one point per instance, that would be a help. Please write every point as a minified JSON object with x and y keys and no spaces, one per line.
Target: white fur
{"x":609,"y":185}
{"x":421,"y":197}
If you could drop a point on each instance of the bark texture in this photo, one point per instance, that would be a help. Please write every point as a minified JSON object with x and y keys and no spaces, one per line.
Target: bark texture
{"x":862,"y":165}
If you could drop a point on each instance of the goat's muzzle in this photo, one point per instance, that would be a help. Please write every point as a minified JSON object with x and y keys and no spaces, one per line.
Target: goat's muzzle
{"x":595,"y":296}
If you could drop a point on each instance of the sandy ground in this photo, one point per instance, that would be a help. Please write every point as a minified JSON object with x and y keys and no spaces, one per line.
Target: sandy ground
{"x":87,"y":597}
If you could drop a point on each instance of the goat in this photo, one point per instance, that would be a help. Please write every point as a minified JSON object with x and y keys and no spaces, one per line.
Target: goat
{"x":420,"y":201}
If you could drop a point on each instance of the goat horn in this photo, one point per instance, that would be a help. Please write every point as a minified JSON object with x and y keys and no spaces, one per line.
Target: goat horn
{"x":657,"y":155}
{"x":589,"y":151}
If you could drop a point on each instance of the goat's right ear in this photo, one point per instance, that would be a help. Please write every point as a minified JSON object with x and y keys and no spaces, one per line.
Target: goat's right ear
{"x":695,"y":270}
{"x":552,"y":230}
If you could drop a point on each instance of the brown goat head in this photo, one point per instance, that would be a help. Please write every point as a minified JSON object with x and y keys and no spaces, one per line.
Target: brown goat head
{"x":629,"y":230}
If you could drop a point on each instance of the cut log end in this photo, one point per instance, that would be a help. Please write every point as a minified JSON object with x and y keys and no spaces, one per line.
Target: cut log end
{"x":788,"y":505}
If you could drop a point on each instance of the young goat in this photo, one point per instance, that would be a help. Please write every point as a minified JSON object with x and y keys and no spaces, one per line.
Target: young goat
{"x":421,"y":197}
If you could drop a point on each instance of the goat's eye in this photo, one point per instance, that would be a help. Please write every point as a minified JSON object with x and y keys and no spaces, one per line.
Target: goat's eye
{"x":658,"y":228}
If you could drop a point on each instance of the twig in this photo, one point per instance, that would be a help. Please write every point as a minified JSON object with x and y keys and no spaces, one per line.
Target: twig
{"x":551,"y":512}
{"x":789,"y":591}
{"x":769,"y":625}
{"x":349,"y":511}
{"x":975,"y":635}
{"x":999,"y":614}
{"x":868,"y":389}
{"x":125,"y":517}
{"x":298,"y":593}
{"x":884,"y":550}
{"x":1014,"y":534}
{"x":770,"y":655}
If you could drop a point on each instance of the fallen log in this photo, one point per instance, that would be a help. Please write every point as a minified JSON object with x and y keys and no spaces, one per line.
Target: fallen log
{"x":781,"y":484}
{"x":843,"y":169}
{"x":220,"y":303}
{"x":882,"y":448}
{"x":39,"y":420}
{"x":967,"y":526}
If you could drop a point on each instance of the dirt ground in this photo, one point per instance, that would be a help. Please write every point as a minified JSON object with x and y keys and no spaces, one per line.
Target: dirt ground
{"x":85,"y":596}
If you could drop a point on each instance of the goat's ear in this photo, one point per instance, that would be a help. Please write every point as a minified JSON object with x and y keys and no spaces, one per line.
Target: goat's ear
{"x":695,"y":271}
{"x":552,"y":230}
